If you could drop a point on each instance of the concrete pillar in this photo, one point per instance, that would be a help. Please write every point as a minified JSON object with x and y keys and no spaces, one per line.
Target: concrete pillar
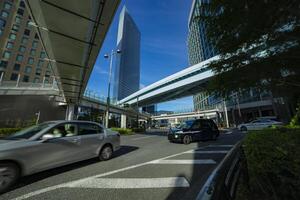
{"x":176,"y":120}
{"x":123,"y":121}
{"x":70,"y":112}
{"x":1,"y":77}
{"x":18,"y":80}
{"x":226,"y":114}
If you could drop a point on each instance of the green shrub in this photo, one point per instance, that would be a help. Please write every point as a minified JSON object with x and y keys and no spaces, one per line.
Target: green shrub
{"x":8,"y":131}
{"x":123,"y":131}
{"x":273,"y":158}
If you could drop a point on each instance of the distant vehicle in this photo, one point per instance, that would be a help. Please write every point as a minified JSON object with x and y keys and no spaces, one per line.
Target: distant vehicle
{"x":53,"y":144}
{"x":194,"y":130}
{"x":259,"y":124}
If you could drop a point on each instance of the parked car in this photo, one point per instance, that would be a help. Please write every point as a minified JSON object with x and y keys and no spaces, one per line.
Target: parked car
{"x":194,"y":130}
{"x":259,"y":124}
{"x":53,"y":144}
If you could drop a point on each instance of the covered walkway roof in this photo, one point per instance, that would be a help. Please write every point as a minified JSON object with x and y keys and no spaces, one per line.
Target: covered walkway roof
{"x":72,"y":33}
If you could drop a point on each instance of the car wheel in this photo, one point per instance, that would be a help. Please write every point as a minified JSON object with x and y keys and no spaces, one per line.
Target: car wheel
{"x":243,"y":128}
{"x":187,"y":139}
{"x":9,"y":174}
{"x":106,"y":153}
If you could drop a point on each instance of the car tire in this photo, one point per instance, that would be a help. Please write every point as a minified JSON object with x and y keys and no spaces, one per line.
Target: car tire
{"x":106,"y":153}
{"x":9,"y":174}
{"x":243,"y":128}
{"x":187,"y":139}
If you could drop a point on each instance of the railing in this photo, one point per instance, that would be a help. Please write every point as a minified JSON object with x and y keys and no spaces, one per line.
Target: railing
{"x":223,"y":181}
{"x":27,"y":85}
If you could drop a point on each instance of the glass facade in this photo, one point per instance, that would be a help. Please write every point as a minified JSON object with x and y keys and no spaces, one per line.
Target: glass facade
{"x":199,"y":47}
{"x":127,"y":72}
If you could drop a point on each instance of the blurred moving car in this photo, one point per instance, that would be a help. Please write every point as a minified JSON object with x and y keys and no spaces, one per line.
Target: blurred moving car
{"x":194,"y":130}
{"x":53,"y":144}
{"x":259,"y":124}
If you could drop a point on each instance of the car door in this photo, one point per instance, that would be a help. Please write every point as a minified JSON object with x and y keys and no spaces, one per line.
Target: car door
{"x":92,"y":137}
{"x":196,"y":131}
{"x":62,"y":149}
{"x":254,"y":125}
{"x":206,"y":129}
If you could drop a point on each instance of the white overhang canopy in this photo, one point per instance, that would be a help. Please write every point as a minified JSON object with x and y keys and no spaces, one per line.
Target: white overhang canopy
{"x":72,"y":33}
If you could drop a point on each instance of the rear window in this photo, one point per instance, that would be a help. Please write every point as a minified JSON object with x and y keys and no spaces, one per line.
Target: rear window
{"x":88,"y":129}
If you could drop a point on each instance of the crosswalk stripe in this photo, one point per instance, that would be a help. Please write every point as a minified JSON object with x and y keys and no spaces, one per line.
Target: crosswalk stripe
{"x":127,"y":183}
{"x":220,"y":145}
{"x":207,"y":152}
{"x":201,"y":161}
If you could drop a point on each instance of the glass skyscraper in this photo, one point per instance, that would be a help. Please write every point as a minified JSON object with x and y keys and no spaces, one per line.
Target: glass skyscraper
{"x":199,"y":48}
{"x":127,"y":71}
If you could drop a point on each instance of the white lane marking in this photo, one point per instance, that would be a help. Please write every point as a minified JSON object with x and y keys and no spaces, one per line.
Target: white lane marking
{"x":127,"y":183}
{"x":51,"y":188}
{"x":200,"y":162}
{"x":207,"y":152}
{"x":145,"y":137}
{"x":220,"y":145}
{"x":229,"y":132}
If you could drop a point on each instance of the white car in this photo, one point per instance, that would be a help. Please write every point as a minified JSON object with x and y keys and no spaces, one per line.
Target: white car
{"x":259,"y":124}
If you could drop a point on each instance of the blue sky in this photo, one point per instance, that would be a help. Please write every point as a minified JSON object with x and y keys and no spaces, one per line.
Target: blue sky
{"x":163,"y":27}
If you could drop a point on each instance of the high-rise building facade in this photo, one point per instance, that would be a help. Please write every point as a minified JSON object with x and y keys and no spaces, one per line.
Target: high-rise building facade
{"x":21,"y":54}
{"x":199,"y":48}
{"x":127,"y":71}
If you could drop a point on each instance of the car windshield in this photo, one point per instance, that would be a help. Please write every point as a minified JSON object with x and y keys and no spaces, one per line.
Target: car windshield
{"x":29,"y":132}
{"x":187,"y":124}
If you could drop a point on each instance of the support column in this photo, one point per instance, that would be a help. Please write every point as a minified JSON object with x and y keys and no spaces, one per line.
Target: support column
{"x":123,"y":121}
{"x":70,"y":112}
{"x":226,"y":114}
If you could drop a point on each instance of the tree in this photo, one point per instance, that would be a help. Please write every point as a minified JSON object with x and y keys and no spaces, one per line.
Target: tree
{"x":258,"y":43}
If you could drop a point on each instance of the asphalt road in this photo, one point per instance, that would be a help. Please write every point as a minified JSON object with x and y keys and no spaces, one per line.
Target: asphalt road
{"x":146,"y":167}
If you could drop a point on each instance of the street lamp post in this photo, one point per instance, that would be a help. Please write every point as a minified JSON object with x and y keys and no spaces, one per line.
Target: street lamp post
{"x":109,"y":83}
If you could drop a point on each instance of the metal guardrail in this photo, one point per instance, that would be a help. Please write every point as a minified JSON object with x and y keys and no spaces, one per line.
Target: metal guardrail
{"x":223,"y":181}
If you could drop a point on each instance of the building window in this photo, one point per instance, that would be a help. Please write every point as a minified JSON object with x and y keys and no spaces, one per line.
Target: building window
{"x":20,"y":11}
{"x":28,"y":69}
{"x":36,"y":36}
{"x":17,"y":67}
{"x":3,"y":64}
{"x":15,"y":27}
{"x":32,"y":52}
{"x":34,"y":44}
{"x":9,"y":45}
{"x":25,"y":78}
{"x":18,"y":19}
{"x":6,"y":54}
{"x":27,"y":32}
{"x":22,"y":49}
{"x":43,"y":55}
{"x":36,"y":80}
{"x":19,"y":58}
{"x":2,"y":23}
{"x":38,"y":72}
{"x":7,"y":6}
{"x":22,"y":4}
{"x":14,"y":77}
{"x":47,"y":74}
{"x":30,"y":61}
{"x":12,"y":36}
{"x":24,"y":40}
{"x":40,"y":63}
{"x":4,"y":14}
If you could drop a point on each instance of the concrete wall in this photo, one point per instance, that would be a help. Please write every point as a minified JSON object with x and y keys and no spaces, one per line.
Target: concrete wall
{"x":20,"y":110}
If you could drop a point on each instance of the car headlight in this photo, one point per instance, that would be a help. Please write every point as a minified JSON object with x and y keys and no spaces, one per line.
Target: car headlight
{"x":176,"y":136}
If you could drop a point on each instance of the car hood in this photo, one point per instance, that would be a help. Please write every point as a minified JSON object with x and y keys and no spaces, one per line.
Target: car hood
{"x":10,"y":144}
{"x":179,"y":130}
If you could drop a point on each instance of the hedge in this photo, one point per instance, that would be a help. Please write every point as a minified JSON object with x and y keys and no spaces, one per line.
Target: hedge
{"x":123,"y":131}
{"x":273,"y":159}
{"x":7,"y":131}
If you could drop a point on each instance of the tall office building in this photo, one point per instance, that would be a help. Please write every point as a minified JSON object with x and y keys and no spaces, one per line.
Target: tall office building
{"x":199,"y":48}
{"x":127,"y":71}
{"x":21,"y":53}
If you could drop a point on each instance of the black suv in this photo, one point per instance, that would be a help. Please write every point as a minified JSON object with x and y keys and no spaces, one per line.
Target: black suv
{"x":194,"y":130}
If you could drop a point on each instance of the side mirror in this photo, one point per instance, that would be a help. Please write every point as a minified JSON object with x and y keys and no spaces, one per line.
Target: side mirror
{"x":47,"y":137}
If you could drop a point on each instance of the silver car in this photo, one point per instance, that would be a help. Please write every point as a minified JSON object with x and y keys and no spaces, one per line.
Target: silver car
{"x":53,"y":144}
